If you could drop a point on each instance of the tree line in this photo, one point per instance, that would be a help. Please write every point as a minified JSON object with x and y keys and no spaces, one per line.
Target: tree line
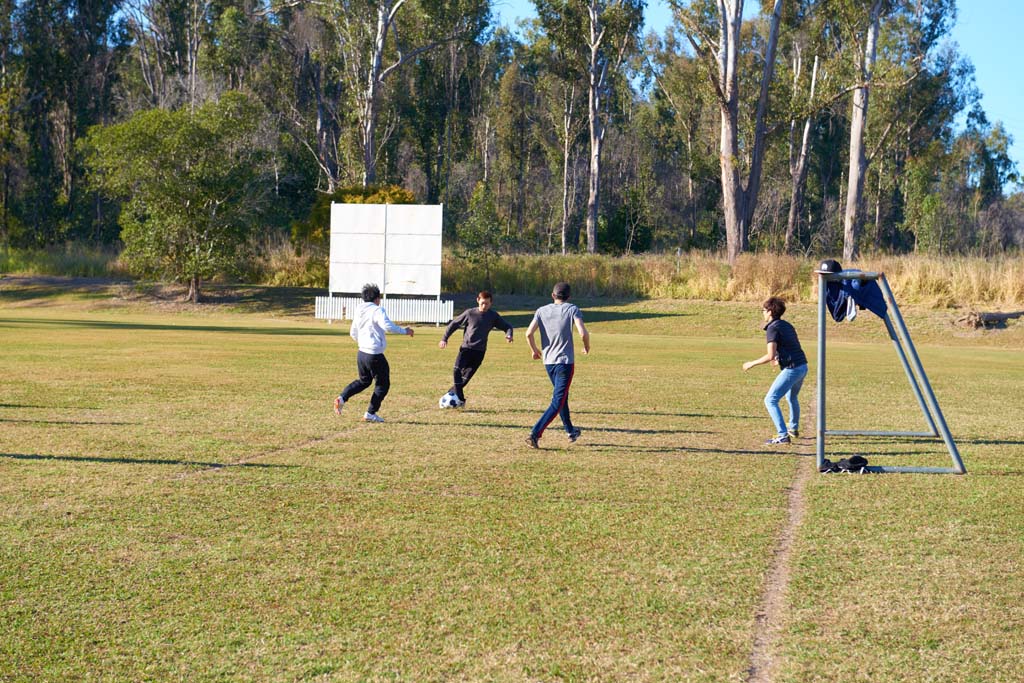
{"x":180,"y":128}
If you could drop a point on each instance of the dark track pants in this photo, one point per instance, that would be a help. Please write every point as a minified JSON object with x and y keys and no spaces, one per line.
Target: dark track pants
{"x":466,"y":364}
{"x":561,"y":379}
{"x":372,"y":366}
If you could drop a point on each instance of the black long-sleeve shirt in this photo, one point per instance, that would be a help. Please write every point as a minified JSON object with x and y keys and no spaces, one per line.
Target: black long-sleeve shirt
{"x":477,"y":326}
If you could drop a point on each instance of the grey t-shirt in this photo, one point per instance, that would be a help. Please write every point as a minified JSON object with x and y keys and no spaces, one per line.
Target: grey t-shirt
{"x":555,"y":322}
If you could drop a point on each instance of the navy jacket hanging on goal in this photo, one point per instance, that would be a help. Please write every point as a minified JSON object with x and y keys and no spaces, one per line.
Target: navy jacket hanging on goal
{"x":864,"y":293}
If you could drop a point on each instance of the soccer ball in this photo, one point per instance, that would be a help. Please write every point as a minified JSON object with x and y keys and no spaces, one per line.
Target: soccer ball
{"x":449,"y":400}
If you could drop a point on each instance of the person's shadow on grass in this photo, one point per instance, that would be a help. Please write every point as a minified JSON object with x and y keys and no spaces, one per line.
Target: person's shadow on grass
{"x":137,"y":461}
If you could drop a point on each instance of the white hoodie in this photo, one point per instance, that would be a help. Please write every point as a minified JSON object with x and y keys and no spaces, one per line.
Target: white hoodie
{"x":369,"y":324}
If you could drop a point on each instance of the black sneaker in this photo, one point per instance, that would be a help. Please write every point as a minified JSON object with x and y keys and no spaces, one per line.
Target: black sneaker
{"x":780,"y":439}
{"x":575,"y":434}
{"x":531,"y":441}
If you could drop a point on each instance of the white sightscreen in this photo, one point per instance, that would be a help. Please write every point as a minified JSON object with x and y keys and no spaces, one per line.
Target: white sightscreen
{"x":397,"y":247}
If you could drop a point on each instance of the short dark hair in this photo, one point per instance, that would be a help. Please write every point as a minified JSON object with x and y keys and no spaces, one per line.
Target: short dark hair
{"x":484,"y":295}
{"x":775,"y":306}
{"x":561,"y":290}
{"x":371,"y":292}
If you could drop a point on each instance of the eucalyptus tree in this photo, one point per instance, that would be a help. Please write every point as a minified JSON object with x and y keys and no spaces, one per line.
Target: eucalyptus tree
{"x":808,"y":55}
{"x":798,"y":154}
{"x":561,"y":87}
{"x":908,"y":37}
{"x":685,"y":104}
{"x":67,"y":51}
{"x":596,"y":36}
{"x":516,"y":143}
{"x":714,"y":31}
{"x":907,"y":120}
{"x":864,"y":59}
{"x":12,"y":103}
{"x":439,"y":101}
{"x":613,"y":32}
{"x":378,"y":37}
{"x":167,"y":39}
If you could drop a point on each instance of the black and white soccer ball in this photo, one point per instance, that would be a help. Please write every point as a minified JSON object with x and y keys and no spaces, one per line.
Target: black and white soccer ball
{"x":449,"y":400}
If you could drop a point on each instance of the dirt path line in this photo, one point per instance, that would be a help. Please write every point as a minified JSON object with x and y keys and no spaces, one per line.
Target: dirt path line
{"x":768,"y":621}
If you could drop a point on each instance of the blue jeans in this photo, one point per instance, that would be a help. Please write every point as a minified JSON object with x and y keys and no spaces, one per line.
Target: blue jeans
{"x":787,"y":384}
{"x":561,"y":379}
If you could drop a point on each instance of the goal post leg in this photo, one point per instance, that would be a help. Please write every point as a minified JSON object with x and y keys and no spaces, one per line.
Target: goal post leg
{"x":910,"y":374}
{"x":940,"y":421}
{"x":820,"y":427}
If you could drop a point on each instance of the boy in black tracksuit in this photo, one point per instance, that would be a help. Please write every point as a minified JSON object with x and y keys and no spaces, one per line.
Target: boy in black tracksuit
{"x":477,"y":323}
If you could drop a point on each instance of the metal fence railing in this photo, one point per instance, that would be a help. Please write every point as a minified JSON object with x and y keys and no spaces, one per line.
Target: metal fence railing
{"x":399,"y":310}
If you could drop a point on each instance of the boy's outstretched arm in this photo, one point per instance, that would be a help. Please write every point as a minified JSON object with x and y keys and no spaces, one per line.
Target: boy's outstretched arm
{"x":457,"y":322}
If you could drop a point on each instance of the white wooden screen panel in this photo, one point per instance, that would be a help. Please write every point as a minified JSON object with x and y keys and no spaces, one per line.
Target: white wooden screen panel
{"x":395,"y":246}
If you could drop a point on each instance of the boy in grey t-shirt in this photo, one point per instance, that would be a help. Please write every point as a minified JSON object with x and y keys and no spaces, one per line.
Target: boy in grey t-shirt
{"x":555,"y":322}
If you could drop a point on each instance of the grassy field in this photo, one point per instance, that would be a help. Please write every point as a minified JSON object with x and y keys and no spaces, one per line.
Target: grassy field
{"x":178,"y":501}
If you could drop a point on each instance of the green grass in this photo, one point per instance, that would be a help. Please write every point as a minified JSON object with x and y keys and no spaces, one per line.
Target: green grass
{"x":178,"y":502}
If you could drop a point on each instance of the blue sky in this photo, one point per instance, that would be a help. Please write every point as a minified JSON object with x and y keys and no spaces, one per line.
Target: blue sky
{"x":986,"y":30}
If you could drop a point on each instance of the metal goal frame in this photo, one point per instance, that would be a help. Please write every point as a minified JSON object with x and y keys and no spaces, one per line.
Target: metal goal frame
{"x":900,"y":336}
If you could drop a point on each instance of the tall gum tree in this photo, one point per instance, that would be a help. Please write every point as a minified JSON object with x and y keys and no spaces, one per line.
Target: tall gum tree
{"x":865,"y":64}
{"x":612,"y":33}
{"x":562,"y":87}
{"x":713,"y":29}
{"x":910,"y":32}
{"x":377,"y":37}
{"x":604,"y":34}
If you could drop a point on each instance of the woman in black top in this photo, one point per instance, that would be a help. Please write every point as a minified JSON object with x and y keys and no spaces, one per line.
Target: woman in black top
{"x":783,"y":350}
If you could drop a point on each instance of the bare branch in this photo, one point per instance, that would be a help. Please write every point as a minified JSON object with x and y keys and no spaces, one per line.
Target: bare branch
{"x":418,"y":51}
{"x":712,"y":68}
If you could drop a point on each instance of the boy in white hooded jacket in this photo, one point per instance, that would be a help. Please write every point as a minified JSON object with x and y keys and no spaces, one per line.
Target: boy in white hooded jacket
{"x":369,"y":325}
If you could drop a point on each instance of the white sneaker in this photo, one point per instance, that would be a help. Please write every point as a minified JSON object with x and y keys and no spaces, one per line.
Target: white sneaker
{"x":372,"y":417}
{"x":338,"y":405}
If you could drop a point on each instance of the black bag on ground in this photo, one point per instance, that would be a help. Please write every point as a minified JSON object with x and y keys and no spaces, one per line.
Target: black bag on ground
{"x":856,"y":464}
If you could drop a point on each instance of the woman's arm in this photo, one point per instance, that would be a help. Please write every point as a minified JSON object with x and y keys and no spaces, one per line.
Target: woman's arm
{"x":768,"y":357}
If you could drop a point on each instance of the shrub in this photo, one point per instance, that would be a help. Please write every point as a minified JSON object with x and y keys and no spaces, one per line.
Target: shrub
{"x":315,"y":230}
{"x":272,"y":260}
{"x":69,"y":260}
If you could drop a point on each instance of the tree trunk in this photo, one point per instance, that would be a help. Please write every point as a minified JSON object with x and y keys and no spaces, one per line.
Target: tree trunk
{"x":730,"y":19}
{"x":732,"y":192}
{"x":368,"y":126}
{"x":566,"y":149}
{"x":798,"y":168}
{"x":486,"y":152}
{"x":594,"y":184}
{"x":194,"y":38}
{"x":193,"y":289}
{"x":326,"y":141}
{"x":690,"y":194}
{"x":760,"y":129}
{"x":596,"y":74}
{"x":878,"y":206}
{"x":852,"y":217}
